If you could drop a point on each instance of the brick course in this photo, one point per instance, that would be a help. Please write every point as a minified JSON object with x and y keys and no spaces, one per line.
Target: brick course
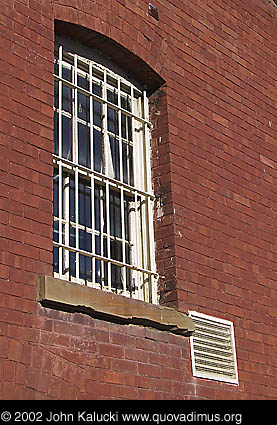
{"x":214,"y":174}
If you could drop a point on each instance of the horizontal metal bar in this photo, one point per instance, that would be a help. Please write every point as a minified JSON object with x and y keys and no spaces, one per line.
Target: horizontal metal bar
{"x":102,"y":100}
{"x":106,"y":259}
{"x":103,"y":177}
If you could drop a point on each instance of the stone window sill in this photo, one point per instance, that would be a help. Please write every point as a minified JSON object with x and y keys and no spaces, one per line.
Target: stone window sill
{"x":67,"y":296}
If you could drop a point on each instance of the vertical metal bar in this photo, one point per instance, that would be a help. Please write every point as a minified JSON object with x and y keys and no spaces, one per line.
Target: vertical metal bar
{"x":77,"y":222}
{"x":108,"y":233}
{"x":123,"y":240}
{"x":66,"y":225}
{"x":93,"y":268}
{"x":101,"y":207}
{"x":106,"y":147}
{"x":75,"y":114}
{"x":60,"y":164}
{"x":120,"y":133}
{"x":148,"y":207}
{"x":147,"y":165}
{"x":137,"y":252}
{"x":60,"y":218}
{"x":151,"y":248}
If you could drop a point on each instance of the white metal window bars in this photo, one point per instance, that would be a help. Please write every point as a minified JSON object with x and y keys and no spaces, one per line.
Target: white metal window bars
{"x":103,"y":200}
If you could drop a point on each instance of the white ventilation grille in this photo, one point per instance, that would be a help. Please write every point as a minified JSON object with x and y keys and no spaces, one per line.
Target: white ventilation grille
{"x":213,"y":348}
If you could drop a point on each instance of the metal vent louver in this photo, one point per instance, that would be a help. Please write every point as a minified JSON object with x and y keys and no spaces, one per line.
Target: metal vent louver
{"x":213,"y":349}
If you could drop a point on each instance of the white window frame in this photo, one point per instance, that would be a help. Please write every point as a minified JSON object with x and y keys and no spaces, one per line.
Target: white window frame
{"x":195,"y":354}
{"x":142,"y":264}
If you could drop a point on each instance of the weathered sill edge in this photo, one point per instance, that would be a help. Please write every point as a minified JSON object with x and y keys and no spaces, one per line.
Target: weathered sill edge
{"x":68,"y":296}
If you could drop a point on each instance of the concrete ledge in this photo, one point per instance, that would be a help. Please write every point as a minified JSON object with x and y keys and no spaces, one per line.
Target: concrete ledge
{"x":60,"y":294}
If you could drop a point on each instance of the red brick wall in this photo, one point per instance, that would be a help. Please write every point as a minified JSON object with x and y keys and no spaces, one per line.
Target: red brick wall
{"x":214,"y":171}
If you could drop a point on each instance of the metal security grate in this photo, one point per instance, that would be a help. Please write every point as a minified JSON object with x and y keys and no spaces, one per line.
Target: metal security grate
{"x":103,"y":200}
{"x":213,"y":349}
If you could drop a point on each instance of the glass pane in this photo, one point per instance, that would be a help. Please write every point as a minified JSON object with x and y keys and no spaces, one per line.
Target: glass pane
{"x":129,"y":125}
{"x":56,"y":193}
{"x":116,"y":274}
{"x":130,"y":284}
{"x":56,"y":94}
{"x":97,"y":113}
{"x":116,"y":250}
{"x":83,"y":107}
{"x":67,"y":138}
{"x":131,"y":166}
{"x":56,"y":65}
{"x":97,"y":89}
{"x":72,"y":198}
{"x":127,"y":216}
{"x":84,"y":203}
{"x":72,"y":264}
{"x":128,"y":252}
{"x":67,"y":99}
{"x":85,"y":240}
{"x":125,"y":162}
{"x":114,"y":149}
{"x":67,"y":73}
{"x":83,"y":82}
{"x":115,"y":214}
{"x":68,"y":205}
{"x":72,"y":236}
{"x":56,"y":259}
{"x":56,"y":231}
{"x":85,"y":264}
{"x":84,"y":145}
{"x":112,"y":121}
{"x":127,"y":159}
{"x":56,"y":133}
{"x":98,"y":150}
{"x":112,"y":96}
{"x":126,"y":103}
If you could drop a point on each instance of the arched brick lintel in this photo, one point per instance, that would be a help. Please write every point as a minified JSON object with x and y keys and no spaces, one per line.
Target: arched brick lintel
{"x":146,"y":59}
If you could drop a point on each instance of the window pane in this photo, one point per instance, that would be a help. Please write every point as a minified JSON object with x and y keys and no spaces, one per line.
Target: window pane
{"x":97,"y":89}
{"x":115,"y":214}
{"x":128,"y":169}
{"x":116,"y":250}
{"x":67,"y":99}
{"x":85,"y":240}
{"x":97,"y":113}
{"x":128,"y":209}
{"x":67,"y":138}
{"x":56,"y":94}
{"x":72,"y":264}
{"x":85,"y":268}
{"x":116,"y":273}
{"x":56,"y":259}
{"x":98,"y":150}
{"x":72,"y":198}
{"x":112,"y":97}
{"x":114,"y":150}
{"x":68,"y":203}
{"x":67,"y":73}
{"x":83,"y":82}
{"x":131,"y":166}
{"x":56,"y":133}
{"x":84,"y":145}
{"x":56,"y":231}
{"x":112,"y":121}
{"x":84,"y":203}
{"x":56,"y":193}
{"x":83,"y":107}
{"x":72,"y":237}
